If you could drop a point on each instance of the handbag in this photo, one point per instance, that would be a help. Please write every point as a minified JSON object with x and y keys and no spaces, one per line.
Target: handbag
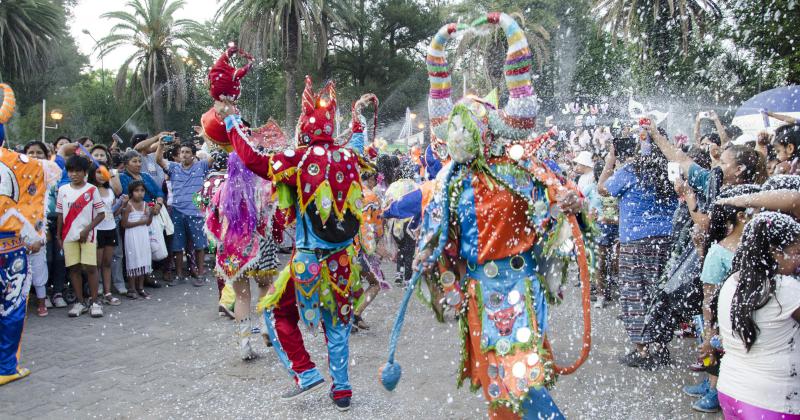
{"x":158,"y":246}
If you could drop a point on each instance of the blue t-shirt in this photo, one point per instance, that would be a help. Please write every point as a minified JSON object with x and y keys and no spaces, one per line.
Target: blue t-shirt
{"x":151,"y":189}
{"x":642,"y":214}
{"x":706,"y":183}
{"x":185,"y":183}
{"x":717,"y":265}
{"x":62,"y":163}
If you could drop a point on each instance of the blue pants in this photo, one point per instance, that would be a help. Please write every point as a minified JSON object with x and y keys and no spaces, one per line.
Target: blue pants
{"x":13,"y":271}
{"x":287,"y":340}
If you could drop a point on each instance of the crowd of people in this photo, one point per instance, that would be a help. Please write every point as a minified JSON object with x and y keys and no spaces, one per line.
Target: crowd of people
{"x":699,"y":236}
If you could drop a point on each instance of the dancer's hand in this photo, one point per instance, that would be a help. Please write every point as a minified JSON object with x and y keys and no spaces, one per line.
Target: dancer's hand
{"x":421,"y":261}
{"x":569,"y":201}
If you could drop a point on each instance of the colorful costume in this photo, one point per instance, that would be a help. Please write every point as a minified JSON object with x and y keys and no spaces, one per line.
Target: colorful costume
{"x":319,"y":183}
{"x":496,"y":230}
{"x":24,"y":183}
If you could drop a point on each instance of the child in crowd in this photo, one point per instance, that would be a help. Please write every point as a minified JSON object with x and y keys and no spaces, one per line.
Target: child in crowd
{"x":759,"y":311}
{"x":79,"y":209}
{"x":724,"y":233}
{"x":136,"y":216}
{"x":106,"y":230}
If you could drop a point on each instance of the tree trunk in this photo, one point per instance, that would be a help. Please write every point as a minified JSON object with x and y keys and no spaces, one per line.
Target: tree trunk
{"x":157,"y":105}
{"x":290,"y":69}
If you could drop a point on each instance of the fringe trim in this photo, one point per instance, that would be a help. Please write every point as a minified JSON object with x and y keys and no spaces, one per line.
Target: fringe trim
{"x":139,"y":271}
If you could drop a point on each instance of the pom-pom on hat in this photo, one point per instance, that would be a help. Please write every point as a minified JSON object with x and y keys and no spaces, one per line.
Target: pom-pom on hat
{"x":225,"y":80}
{"x":317,"y":114}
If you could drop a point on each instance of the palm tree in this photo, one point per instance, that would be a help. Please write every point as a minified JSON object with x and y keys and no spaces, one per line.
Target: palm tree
{"x":642,"y":19}
{"x":164,"y":46}
{"x":28,"y":29}
{"x":279,"y":27}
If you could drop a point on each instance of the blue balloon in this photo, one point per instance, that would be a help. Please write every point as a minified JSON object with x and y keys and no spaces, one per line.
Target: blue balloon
{"x":2,"y":134}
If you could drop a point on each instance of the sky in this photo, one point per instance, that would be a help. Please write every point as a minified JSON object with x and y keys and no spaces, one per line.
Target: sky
{"x":86,"y":15}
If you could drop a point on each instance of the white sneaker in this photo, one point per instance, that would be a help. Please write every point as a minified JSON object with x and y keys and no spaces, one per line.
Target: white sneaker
{"x":600,"y":302}
{"x":59,"y":301}
{"x":96,"y":311}
{"x":47,"y":303}
{"x":77,"y":310}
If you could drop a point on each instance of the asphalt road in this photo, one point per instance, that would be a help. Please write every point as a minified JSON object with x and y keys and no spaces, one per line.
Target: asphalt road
{"x":174,"y":357}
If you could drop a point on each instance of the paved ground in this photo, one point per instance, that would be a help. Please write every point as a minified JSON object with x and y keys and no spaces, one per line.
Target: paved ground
{"x":173,"y":357}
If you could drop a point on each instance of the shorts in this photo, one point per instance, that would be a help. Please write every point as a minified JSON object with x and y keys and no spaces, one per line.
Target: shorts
{"x":106,"y":238}
{"x":80,"y":253}
{"x":187,"y":227}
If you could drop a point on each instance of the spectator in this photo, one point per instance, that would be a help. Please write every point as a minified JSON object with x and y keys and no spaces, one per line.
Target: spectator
{"x":136,"y":217}
{"x":106,"y":231}
{"x":147,"y":148}
{"x":86,"y":142}
{"x":607,"y":217}
{"x":133,"y":171}
{"x":79,"y":209}
{"x":759,"y":311}
{"x":187,"y":179}
{"x":725,"y":233}
{"x":647,"y":202}
{"x":38,"y":251}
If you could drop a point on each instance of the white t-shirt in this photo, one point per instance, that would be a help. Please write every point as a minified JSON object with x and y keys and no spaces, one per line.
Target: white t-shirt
{"x":108,"y":205}
{"x":67,"y":196}
{"x":766,"y":376}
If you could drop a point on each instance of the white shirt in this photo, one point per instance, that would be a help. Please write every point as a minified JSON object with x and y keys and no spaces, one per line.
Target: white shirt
{"x":108,"y":205}
{"x":67,"y":196}
{"x":767,"y":375}
{"x":585,"y":181}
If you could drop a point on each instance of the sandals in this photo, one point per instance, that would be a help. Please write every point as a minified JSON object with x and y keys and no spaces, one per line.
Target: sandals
{"x":131,"y":295}
{"x":110,"y":300}
{"x":143,"y":294}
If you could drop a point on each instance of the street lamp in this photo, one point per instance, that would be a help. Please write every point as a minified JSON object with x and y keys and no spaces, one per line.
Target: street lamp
{"x":100,"y":54}
{"x":413,"y":116}
{"x":56,"y":115}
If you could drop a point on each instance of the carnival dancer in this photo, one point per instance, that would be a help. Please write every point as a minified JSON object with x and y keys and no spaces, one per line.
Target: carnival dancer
{"x":24,"y":182}
{"x":495,"y":226}
{"x":239,"y":218}
{"x":319,"y":183}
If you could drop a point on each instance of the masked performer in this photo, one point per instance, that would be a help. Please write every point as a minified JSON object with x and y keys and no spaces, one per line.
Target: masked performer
{"x":319,"y":182}
{"x":24,"y":183}
{"x":495,"y":227}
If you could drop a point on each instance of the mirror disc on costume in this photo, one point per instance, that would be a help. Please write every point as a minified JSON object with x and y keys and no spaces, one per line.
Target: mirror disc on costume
{"x":448,"y":278}
{"x":17,"y":265}
{"x":319,"y":151}
{"x":345,"y":309}
{"x":503,"y":346}
{"x":484,"y":341}
{"x":495,"y":300}
{"x":336,"y":156}
{"x":536,"y":371}
{"x":533,"y":359}
{"x":523,"y":334}
{"x":326,"y":203}
{"x":453,"y":298}
{"x":492,"y":370}
{"x":289,"y":153}
{"x":299,"y":268}
{"x":339,"y":177}
{"x":513,"y":297}
{"x":516,"y":151}
{"x":333,"y":265}
{"x":313,"y":169}
{"x":309,"y":314}
{"x":490,"y":269}
{"x":517,"y":262}
{"x":522,"y":384}
{"x":494,"y":390}
{"x":343,"y":260}
{"x":313,"y":268}
{"x":518,"y":370}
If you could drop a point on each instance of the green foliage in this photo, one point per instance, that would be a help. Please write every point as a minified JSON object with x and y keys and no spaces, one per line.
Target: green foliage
{"x":28,"y":30}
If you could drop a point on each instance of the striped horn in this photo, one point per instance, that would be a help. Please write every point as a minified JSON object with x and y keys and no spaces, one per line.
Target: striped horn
{"x":440,"y":102}
{"x":518,"y":119}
